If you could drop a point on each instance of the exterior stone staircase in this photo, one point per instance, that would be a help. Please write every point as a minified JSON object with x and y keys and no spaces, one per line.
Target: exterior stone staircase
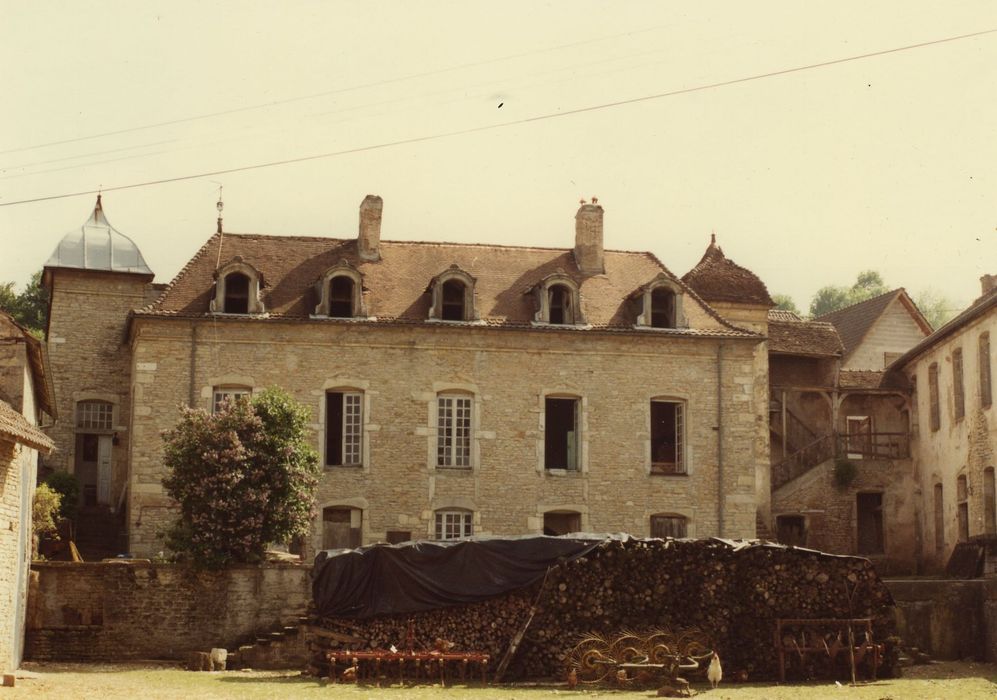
{"x":277,"y":648}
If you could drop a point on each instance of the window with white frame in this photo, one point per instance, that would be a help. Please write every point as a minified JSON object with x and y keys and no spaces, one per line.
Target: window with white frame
{"x":453,"y":430}
{"x":453,"y":524}
{"x":343,"y":428}
{"x":94,"y":415}
{"x":667,"y":437}
{"x":221,"y":394}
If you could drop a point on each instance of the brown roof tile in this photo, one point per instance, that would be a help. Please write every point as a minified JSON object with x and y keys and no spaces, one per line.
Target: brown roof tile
{"x":717,"y":278}
{"x":791,"y":335}
{"x":14,"y":426}
{"x":980,"y":307}
{"x":853,"y":322}
{"x":395,"y":287}
{"x":869,"y":379}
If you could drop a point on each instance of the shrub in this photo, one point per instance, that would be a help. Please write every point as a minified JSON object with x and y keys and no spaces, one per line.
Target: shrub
{"x":67,"y":486}
{"x":44,"y":507}
{"x":243,"y":477}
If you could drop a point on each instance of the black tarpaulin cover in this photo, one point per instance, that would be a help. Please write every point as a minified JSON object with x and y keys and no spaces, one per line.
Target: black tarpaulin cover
{"x":384,"y":579}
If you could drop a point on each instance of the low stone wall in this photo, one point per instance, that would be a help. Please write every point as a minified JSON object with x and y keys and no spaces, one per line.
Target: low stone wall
{"x":948,"y":619}
{"x":139,"y":610}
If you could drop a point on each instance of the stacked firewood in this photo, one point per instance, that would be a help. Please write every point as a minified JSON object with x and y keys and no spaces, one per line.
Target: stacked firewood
{"x":733,"y":595}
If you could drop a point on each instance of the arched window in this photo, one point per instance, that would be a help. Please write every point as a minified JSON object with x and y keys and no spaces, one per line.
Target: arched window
{"x":453,"y":301}
{"x":559,"y":305}
{"x":659,"y":304}
{"x":557,"y":299}
{"x":662,"y":308}
{"x":236,"y":293}
{"x":341,"y":297}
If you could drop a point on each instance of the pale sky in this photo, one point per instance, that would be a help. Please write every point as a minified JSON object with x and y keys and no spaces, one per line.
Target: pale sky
{"x":888,"y":162}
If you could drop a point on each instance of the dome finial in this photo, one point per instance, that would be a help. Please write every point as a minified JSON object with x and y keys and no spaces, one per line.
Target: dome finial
{"x":219,"y":206}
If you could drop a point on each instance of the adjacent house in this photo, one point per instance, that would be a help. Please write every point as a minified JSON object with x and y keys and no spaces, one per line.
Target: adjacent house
{"x":455,"y":389}
{"x":954,"y":428}
{"x":25,"y":398}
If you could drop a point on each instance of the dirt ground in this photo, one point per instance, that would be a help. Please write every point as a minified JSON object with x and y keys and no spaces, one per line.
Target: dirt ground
{"x":956,"y":680}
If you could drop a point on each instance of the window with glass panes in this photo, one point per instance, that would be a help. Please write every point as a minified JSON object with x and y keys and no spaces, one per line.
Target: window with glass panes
{"x":94,"y":415}
{"x":453,"y":431}
{"x":453,"y":524}
{"x":227,"y":393}
{"x":343,"y":428}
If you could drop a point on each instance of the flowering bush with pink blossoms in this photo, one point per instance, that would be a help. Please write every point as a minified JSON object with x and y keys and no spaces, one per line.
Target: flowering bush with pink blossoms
{"x":244,"y":477}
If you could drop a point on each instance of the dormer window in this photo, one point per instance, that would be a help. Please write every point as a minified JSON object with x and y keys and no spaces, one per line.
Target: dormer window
{"x":558,"y":301}
{"x":236,"y":293}
{"x":660,"y":304}
{"x":237,"y":289}
{"x":453,"y":296}
{"x":340,"y":292}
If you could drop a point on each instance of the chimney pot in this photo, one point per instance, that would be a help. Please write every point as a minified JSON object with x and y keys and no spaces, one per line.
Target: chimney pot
{"x":369,"y":238}
{"x":588,"y":239}
{"x":988,"y":283}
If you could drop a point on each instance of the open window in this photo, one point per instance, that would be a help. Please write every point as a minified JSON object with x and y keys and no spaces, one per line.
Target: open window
{"x":667,"y":437}
{"x":558,"y":301}
{"x":340,"y":292}
{"x":562,"y":522}
{"x":665,"y":525}
{"x":237,"y":288}
{"x":453,"y":430}
{"x":94,"y":441}
{"x":561,"y":432}
{"x":869,"y":508}
{"x":453,"y":524}
{"x":343,"y":428}
{"x":659,"y":303}
{"x":452,"y":296}
{"x":342,"y":527}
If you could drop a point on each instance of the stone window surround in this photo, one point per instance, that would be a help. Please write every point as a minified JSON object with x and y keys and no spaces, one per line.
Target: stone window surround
{"x":113,"y":399}
{"x":346,"y":384}
{"x":237,"y":264}
{"x":227,"y":381}
{"x":468,"y":521}
{"x":359,"y":503}
{"x":661,"y":281}
{"x":435,"y":288}
{"x":341,"y":269}
{"x":669,"y":397}
{"x":536,"y":523}
{"x":430,"y":430}
{"x":685,"y":514}
{"x":230,"y":389}
{"x":582,"y":429}
{"x":541,"y":292}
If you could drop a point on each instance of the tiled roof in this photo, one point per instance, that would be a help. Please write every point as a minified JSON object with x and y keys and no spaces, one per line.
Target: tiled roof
{"x":791,"y":335}
{"x":717,"y":278}
{"x":982,"y":306}
{"x":852,"y":379}
{"x":37,"y":360}
{"x":853,"y":322}
{"x":395,"y":287}
{"x":14,"y":426}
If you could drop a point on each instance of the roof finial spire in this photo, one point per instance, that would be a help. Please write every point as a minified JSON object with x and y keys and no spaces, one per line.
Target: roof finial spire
{"x":98,"y":205}
{"x":713,"y":237}
{"x":220,"y":206}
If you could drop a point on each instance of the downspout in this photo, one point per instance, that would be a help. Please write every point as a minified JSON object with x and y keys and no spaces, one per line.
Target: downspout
{"x":720,"y":441}
{"x":192,"y":399}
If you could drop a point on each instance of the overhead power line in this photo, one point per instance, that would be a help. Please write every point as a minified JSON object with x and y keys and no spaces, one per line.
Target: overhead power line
{"x":515,"y":122}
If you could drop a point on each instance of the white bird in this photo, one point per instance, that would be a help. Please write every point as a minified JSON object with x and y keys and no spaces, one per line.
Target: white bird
{"x":714,"y":673}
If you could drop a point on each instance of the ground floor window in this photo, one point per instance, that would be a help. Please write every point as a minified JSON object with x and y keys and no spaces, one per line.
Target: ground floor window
{"x":397,"y":536}
{"x":342,"y":528}
{"x":665,"y":525}
{"x":562,"y":522}
{"x":791,"y":530}
{"x":453,"y":524}
{"x":870,"y":523}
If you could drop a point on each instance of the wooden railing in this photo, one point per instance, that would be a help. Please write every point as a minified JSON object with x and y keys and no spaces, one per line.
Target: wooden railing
{"x":803,"y":460}
{"x":798,"y":433}
{"x":874,"y":446}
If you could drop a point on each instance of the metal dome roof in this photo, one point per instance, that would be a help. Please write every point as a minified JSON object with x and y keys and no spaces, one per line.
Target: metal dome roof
{"x":96,"y":245}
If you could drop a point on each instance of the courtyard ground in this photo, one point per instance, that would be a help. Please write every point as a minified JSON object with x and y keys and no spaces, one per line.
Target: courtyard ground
{"x":956,"y":680}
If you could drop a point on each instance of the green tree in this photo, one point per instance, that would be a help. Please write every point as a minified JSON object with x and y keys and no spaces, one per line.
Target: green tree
{"x":44,"y":508}
{"x":244,"y":477}
{"x":828,"y":299}
{"x":868,"y":284}
{"x":29,"y":307}
{"x":784,"y":302}
{"x":936,"y":307}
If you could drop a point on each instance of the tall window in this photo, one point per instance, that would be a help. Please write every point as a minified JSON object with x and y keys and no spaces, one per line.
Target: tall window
{"x":939,"y":520}
{"x":989,"y":502}
{"x":934,"y":412}
{"x":666,"y":525}
{"x":343,"y":428}
{"x":453,"y":430}
{"x":236,"y":293}
{"x":958,"y":391}
{"x":221,"y":394}
{"x":662,"y":308}
{"x":962,"y":505}
{"x":559,"y":305}
{"x":869,"y":508}
{"x":453,"y":524}
{"x":94,"y":415}
{"x":341,"y":297}
{"x":453,"y":301}
{"x":667,"y":453}
{"x":561,"y":433}
{"x":986,"y":395}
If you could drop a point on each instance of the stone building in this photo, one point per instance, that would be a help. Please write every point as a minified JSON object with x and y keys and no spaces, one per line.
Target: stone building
{"x":25,"y":398}
{"x":454,"y":388}
{"x":954,"y":428}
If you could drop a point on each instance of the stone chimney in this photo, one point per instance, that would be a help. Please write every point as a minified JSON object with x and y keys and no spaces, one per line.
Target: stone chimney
{"x":988,"y":283}
{"x":588,"y":238}
{"x":369,"y":240}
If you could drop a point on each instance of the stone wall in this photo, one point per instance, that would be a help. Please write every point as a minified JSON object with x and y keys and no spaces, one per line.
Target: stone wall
{"x":948,"y":619}
{"x":138,"y":610}
{"x":401,"y":369}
